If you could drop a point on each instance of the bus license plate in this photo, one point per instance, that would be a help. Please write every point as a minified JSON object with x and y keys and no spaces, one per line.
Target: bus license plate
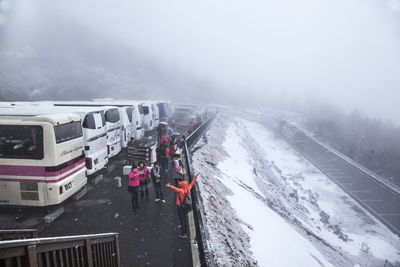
{"x":112,"y":148}
{"x":68,"y":186}
{"x":96,"y":161}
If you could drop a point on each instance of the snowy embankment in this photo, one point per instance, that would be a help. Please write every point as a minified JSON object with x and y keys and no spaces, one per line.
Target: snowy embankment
{"x":265,"y":205}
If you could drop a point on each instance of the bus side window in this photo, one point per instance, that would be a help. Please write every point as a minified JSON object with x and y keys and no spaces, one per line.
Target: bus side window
{"x":112,"y":115}
{"x":68,"y":131}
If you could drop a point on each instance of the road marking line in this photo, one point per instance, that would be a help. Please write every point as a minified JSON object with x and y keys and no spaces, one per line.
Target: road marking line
{"x":345,"y":183}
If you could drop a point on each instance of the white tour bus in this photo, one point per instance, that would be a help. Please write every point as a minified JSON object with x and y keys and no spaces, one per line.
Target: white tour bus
{"x":148,"y":117}
{"x":137,"y":113}
{"x":93,"y":124}
{"x":113,"y":123}
{"x":155,"y":111}
{"x":156,"y":114}
{"x":42,"y":161}
{"x":128,"y":122}
{"x":126,"y":116}
{"x":95,"y":136}
{"x":139,"y":133}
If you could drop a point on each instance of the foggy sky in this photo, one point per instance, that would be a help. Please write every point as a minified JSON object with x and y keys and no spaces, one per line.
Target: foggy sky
{"x":345,"y":52}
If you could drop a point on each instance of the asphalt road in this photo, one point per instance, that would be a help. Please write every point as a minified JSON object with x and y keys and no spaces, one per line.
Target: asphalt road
{"x":147,"y":238}
{"x":377,"y":198}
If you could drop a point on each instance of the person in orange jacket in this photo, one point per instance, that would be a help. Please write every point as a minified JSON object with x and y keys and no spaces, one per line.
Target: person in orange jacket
{"x":184,"y":189}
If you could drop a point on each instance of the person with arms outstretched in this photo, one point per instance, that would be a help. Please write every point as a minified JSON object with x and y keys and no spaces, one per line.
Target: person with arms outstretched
{"x":182,"y":192}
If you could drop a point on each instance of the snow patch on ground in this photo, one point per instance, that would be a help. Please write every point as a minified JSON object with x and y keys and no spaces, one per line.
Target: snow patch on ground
{"x":265,"y":205}
{"x":236,"y":164}
{"x":271,"y":238}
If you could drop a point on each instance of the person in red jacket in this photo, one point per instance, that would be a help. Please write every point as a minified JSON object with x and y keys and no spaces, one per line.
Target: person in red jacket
{"x":164,"y":140}
{"x":166,"y":159}
{"x":184,"y":189}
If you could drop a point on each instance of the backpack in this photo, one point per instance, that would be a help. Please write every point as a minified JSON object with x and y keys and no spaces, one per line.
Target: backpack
{"x":186,"y":204}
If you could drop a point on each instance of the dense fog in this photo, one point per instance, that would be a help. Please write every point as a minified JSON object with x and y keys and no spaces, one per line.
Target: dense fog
{"x":299,"y":85}
{"x":284,"y":54}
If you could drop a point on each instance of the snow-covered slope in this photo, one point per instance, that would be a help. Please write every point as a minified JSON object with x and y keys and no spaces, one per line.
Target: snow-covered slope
{"x":266,"y":205}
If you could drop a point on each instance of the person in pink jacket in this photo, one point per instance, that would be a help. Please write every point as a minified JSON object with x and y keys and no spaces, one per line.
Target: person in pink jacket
{"x":133,"y":187}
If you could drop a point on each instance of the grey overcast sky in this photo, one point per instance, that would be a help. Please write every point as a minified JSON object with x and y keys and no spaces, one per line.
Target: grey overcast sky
{"x":345,"y":52}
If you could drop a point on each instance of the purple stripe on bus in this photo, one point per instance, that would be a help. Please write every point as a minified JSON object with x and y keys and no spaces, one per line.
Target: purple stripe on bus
{"x":41,"y":180}
{"x":62,"y":171}
{"x":21,"y":180}
{"x":22,"y":170}
{"x":34,"y":170}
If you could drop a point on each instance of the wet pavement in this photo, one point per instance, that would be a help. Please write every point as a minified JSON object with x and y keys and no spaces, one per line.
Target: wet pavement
{"x":148,"y":237}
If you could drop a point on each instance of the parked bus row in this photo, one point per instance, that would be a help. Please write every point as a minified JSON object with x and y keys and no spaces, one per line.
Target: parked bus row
{"x":47,"y":149}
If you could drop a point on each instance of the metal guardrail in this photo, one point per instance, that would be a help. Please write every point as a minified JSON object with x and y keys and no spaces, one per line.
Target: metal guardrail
{"x":18,"y":234}
{"x":192,"y":138}
{"x":85,"y":250}
{"x":201,"y":235}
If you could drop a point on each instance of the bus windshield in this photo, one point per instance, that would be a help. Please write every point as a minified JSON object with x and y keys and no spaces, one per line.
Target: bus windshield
{"x":129,"y":112}
{"x":146,"y":110}
{"x":89,"y":122}
{"x":112,"y":115}
{"x":140,"y":109}
{"x":21,"y":141}
{"x":68,"y":131}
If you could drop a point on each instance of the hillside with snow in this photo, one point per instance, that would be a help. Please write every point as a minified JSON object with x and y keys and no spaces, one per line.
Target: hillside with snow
{"x":266,"y":205}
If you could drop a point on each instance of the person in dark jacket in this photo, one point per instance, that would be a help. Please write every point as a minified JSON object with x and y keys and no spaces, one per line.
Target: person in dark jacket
{"x":182,"y":191}
{"x":157,"y":177}
{"x":131,"y":142}
{"x":182,"y":142}
{"x":163,"y":156}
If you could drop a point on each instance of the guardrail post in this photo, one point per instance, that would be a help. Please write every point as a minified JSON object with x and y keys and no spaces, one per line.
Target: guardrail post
{"x":32,"y":256}
{"x":117,"y":251}
{"x":89,"y":256}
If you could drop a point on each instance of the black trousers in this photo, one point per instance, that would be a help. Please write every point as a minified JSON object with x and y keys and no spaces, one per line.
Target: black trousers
{"x":183,"y":219}
{"x":144,"y":187}
{"x":135,"y":196}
